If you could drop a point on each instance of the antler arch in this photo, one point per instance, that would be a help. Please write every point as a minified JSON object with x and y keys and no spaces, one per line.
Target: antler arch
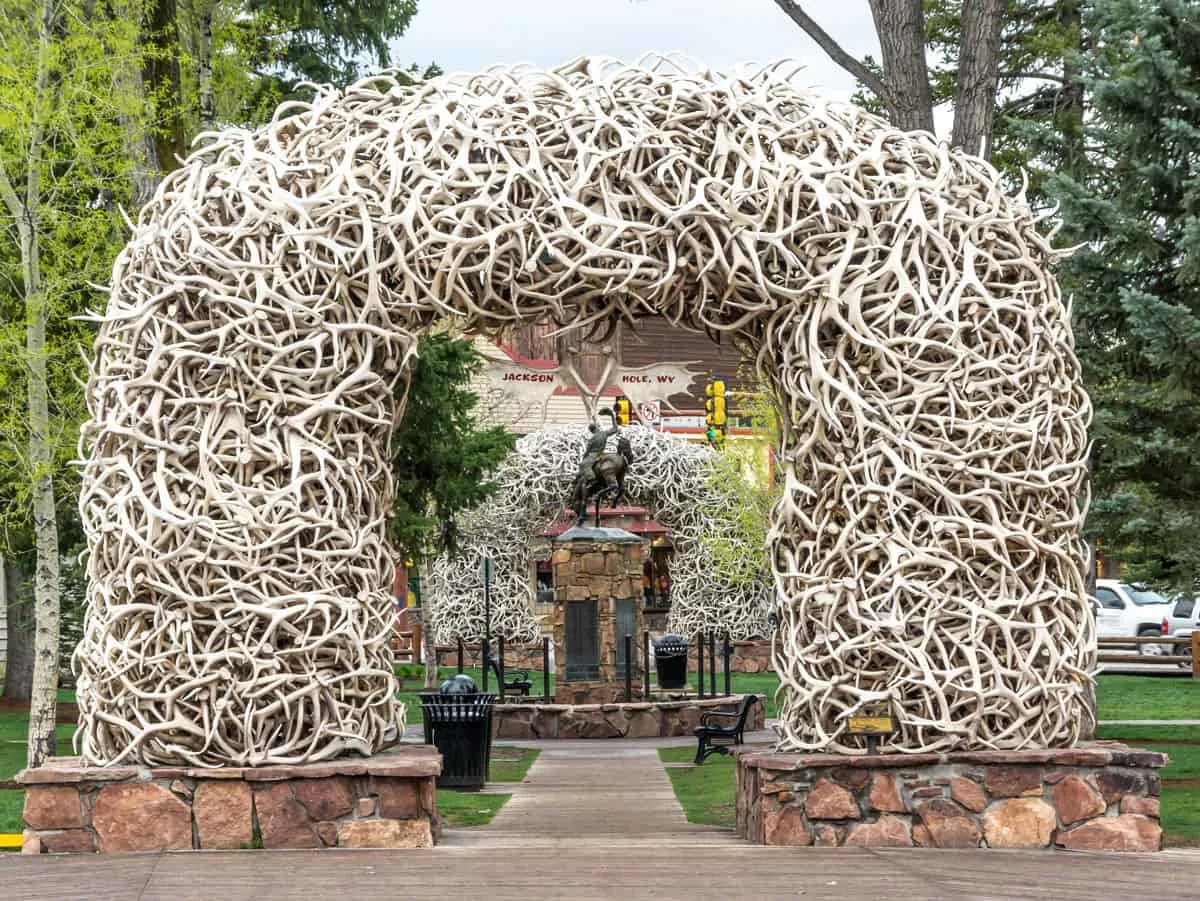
{"x":236,"y":484}
{"x":672,"y":478}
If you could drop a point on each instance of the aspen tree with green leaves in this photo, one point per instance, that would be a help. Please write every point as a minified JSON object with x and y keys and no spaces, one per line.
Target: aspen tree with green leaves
{"x":63,"y":165}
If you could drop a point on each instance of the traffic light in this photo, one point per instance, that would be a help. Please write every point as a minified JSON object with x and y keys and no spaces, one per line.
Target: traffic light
{"x":624,"y":410}
{"x":714,"y":411}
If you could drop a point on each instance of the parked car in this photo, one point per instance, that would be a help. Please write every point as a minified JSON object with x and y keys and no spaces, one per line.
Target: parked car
{"x":1131,"y":611}
{"x":1183,"y":619}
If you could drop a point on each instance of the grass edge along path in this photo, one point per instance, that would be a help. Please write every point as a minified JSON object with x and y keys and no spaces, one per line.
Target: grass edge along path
{"x":466,"y":808}
{"x":704,"y":792}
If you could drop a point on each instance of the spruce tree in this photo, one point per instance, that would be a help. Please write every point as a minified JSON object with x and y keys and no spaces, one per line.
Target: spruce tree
{"x":441,"y":457}
{"x":1135,"y":282}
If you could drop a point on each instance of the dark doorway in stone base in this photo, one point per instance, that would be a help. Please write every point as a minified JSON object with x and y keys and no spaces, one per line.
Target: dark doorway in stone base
{"x":583,"y":641}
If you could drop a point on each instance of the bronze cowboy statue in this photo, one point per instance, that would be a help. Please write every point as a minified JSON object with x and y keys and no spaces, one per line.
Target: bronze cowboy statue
{"x":601,"y":474}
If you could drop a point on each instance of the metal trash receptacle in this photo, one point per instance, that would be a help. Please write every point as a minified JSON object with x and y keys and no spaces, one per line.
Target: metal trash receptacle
{"x":670,"y":660}
{"x":459,"y":724}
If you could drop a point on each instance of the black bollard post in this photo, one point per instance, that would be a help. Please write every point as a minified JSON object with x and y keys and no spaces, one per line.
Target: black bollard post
{"x":500,"y":666}
{"x":460,"y":654}
{"x":728,"y":651}
{"x":628,"y":668}
{"x":712,"y":664}
{"x":700,"y":664}
{"x":483,"y":656}
{"x":646,"y":665}
{"x":545,"y":670}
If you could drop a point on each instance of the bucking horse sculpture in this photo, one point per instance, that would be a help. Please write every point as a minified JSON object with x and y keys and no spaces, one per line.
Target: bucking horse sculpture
{"x":601,"y":475}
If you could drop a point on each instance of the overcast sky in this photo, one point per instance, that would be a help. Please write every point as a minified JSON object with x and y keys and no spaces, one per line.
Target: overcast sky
{"x":473,"y":34}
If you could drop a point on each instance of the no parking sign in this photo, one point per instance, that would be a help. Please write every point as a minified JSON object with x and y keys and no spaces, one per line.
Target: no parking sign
{"x":650,"y":412}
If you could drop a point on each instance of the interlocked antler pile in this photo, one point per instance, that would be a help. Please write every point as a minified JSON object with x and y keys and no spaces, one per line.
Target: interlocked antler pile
{"x":237,"y":483}
{"x":670,"y":477}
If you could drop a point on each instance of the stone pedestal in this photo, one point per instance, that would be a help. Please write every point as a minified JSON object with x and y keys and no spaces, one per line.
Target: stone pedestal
{"x":1099,"y":796}
{"x":384,"y":801}
{"x":601,"y":568}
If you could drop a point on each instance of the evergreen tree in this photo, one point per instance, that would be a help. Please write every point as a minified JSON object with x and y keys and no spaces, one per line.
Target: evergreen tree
{"x":1135,"y":207}
{"x":440,"y":456}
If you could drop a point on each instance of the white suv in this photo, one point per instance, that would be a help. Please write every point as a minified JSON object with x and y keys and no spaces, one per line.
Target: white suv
{"x":1182,"y":621}
{"x":1129,"y":611}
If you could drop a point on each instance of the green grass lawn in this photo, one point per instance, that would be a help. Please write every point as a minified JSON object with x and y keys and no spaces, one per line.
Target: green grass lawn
{"x":468,"y":808}
{"x":1147,"y":698}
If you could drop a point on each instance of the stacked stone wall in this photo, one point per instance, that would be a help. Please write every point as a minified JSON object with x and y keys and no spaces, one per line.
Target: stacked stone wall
{"x":385,"y":801}
{"x":636,"y":720}
{"x":1101,"y":796}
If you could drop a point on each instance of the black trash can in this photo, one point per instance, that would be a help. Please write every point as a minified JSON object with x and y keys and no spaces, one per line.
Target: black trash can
{"x":458,"y":720}
{"x":670,"y":659}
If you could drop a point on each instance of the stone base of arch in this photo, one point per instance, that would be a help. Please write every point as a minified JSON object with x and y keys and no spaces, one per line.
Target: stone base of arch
{"x":1100,"y":796}
{"x":640,"y":719}
{"x":387,"y":800}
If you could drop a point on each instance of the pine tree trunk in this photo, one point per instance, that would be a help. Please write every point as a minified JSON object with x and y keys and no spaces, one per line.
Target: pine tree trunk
{"x":129,"y":80}
{"x":1070,"y":109}
{"x":162,"y":81}
{"x":18,"y":669}
{"x":204,"y":70}
{"x":900,"y":25}
{"x":978,"y":69}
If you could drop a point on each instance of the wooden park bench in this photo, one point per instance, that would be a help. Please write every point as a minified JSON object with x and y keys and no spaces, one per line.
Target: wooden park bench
{"x":717,"y":739}
{"x":513,"y":680}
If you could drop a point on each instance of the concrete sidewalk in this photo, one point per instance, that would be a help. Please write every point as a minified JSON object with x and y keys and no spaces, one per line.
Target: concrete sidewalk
{"x":590,"y":794}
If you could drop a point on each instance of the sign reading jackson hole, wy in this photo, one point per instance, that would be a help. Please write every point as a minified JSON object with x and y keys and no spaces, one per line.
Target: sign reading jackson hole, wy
{"x":647,"y":384}
{"x":264,"y":315}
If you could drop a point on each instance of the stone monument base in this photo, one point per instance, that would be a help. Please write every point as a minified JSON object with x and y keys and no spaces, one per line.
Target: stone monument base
{"x":642,"y":719}
{"x":1099,"y":796}
{"x":383,"y":801}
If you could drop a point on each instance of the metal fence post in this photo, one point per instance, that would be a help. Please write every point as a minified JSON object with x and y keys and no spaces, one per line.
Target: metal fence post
{"x":500,"y":666}
{"x":460,"y":654}
{"x":727,"y":653}
{"x":646,"y":665}
{"x":712,"y":664}
{"x":483,"y":657}
{"x":628,"y":668}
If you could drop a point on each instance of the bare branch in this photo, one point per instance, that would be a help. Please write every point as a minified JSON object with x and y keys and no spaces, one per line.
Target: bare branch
{"x":834,"y":50}
{"x":9,"y":195}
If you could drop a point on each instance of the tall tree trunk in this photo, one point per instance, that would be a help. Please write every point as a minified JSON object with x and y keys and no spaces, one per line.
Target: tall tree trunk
{"x":18,"y":669}
{"x":44,"y":698}
{"x":1070,"y":110}
{"x":162,"y":82}
{"x":204,"y":66}
{"x":978,"y":69}
{"x":26,"y":212}
{"x":900,"y":25}
{"x":139,"y":131}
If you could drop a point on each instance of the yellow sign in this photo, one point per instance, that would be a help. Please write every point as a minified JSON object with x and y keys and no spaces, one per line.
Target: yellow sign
{"x":872,"y":725}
